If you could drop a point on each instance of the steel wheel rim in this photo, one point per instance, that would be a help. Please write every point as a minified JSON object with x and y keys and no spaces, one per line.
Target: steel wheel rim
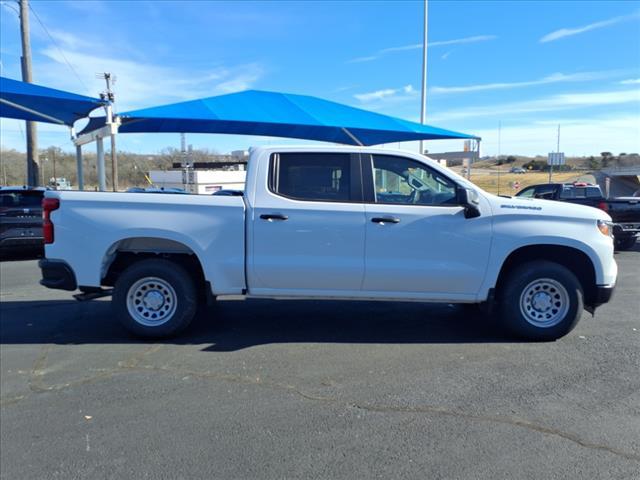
{"x":544,"y":303}
{"x":151,"y":301}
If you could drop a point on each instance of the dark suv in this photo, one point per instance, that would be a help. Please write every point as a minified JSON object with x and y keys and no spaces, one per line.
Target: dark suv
{"x":21,"y":220}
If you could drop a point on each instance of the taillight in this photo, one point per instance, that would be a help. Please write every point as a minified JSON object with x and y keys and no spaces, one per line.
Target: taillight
{"x":48,"y":206}
{"x":603,"y":206}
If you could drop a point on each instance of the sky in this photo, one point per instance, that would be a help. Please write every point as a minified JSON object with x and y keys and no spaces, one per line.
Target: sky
{"x":507,"y":71}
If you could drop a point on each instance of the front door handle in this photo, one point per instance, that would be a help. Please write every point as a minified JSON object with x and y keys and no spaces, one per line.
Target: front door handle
{"x":273,"y":216}
{"x":385,"y":220}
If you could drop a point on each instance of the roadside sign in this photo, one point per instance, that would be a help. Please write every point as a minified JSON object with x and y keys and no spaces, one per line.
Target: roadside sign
{"x":555,"y":158}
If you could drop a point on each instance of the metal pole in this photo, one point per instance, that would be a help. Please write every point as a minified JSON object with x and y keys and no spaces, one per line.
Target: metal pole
{"x":102,"y":183}
{"x":114,"y":163}
{"x":32,"y":134}
{"x":558,"y":151}
{"x":423,"y":109}
{"x":499,"y":146}
{"x":55,"y":178}
{"x":79,"y":167}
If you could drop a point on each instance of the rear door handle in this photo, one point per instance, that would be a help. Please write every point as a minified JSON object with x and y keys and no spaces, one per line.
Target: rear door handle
{"x":385,"y":220}
{"x":273,"y":216}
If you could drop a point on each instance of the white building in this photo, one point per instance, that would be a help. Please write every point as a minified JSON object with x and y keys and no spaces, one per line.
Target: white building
{"x":199,"y":181}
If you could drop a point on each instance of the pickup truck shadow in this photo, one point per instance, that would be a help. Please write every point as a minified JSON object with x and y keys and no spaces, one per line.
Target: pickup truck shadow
{"x":232,"y":325}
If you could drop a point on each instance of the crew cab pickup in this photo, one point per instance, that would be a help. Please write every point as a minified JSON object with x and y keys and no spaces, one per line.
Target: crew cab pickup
{"x":332,"y":223}
{"x":624,"y":211}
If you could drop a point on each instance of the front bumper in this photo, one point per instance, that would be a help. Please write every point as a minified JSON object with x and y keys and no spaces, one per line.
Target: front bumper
{"x":626,"y":229}
{"x":603,"y":294}
{"x":57,"y":274}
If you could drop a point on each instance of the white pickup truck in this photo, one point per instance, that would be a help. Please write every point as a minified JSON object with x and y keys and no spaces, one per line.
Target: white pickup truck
{"x":332,"y":223}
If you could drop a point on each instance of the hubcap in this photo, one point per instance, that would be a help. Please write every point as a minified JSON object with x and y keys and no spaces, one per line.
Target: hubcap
{"x":151,"y":301}
{"x":544,"y":302}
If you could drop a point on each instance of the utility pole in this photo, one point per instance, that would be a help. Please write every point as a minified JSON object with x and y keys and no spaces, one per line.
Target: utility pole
{"x":423,"y":109}
{"x":32,"y":134}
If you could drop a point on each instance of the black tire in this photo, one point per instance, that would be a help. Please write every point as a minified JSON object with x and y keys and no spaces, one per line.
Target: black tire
{"x":172,"y":285}
{"x":547,"y":312}
{"x":624,"y":243}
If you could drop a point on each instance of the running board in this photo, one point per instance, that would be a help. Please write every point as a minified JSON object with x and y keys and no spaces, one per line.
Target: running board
{"x":93,"y":294}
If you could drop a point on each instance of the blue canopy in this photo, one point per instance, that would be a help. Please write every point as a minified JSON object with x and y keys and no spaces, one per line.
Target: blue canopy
{"x":255,"y":112}
{"x":27,"y":101}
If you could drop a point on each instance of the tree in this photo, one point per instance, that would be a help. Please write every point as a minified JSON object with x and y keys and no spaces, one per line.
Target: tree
{"x":607,"y":158}
{"x":511,"y":159}
{"x":593,"y":163}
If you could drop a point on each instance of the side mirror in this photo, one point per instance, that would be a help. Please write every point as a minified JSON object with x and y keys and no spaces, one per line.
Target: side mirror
{"x":470,"y":201}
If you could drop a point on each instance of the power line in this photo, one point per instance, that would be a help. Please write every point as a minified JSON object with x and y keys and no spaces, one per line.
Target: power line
{"x":53,"y":40}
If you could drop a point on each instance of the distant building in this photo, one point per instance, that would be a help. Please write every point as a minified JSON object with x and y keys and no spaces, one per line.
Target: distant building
{"x":199,"y":181}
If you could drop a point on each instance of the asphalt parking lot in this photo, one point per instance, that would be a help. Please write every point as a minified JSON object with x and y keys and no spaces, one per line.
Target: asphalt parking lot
{"x":304,"y":389}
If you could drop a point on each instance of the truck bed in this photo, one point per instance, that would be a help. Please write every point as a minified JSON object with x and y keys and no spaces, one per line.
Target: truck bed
{"x":210,"y":226}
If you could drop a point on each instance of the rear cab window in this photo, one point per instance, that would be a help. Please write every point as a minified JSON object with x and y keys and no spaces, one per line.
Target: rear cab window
{"x":21,"y":199}
{"x":320,"y":177}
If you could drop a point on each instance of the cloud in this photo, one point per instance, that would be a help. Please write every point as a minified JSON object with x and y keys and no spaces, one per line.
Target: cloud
{"x":416,"y":46}
{"x":362,"y":59}
{"x":566,"y":101}
{"x":455,"y":41}
{"x":142,"y":84}
{"x":630,"y":81}
{"x":568,"y":32}
{"x":553,"y":78}
{"x":384,"y":94}
{"x":413,"y":46}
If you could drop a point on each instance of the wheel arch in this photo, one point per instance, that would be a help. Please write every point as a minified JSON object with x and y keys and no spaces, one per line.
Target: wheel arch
{"x":127,"y":251}
{"x":575,"y":260}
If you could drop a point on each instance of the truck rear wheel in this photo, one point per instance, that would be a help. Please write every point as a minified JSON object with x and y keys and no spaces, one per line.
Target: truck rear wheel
{"x":541,"y":301}
{"x":155,"y":298}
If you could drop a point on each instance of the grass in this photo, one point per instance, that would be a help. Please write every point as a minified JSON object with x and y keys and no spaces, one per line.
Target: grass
{"x":489,"y":181}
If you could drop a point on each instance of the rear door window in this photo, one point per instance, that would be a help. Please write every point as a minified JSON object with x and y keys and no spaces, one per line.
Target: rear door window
{"x":322,"y":177}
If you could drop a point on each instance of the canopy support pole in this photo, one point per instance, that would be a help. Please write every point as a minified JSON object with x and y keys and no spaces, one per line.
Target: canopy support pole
{"x":475,"y":157}
{"x":102,"y":183}
{"x":352,"y":137}
{"x":114,"y":159}
{"x":79,"y":167}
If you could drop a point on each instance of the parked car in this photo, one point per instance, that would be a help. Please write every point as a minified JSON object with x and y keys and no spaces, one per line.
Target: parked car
{"x":327,"y":223}
{"x":625,"y":211}
{"x":517,"y":170}
{"x":21,"y":221}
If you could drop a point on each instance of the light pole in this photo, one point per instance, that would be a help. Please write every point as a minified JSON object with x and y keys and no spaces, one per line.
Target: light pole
{"x":423,"y":109}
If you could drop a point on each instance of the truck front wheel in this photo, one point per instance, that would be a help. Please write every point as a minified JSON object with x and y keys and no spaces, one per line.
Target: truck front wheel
{"x":541,"y":301}
{"x":155,"y":298}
